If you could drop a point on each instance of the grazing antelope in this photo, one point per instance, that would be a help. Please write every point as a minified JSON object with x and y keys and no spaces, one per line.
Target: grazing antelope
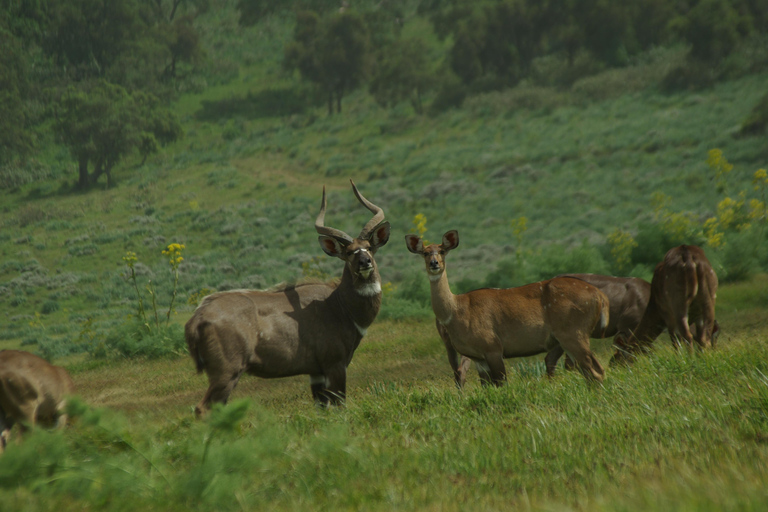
{"x":298,"y":329}
{"x":627,"y":297}
{"x":488,"y":325}
{"x":683,"y":292}
{"x":32,"y":391}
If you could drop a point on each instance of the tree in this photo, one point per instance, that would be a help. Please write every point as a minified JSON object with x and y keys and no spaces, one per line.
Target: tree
{"x":184,"y":45}
{"x":492,"y":39}
{"x":713,"y":28}
{"x":101,"y":123}
{"x":135,"y":43}
{"x":402,"y":74}
{"x":191,"y":7}
{"x":253,"y":11}
{"x":332,"y":52}
{"x":15,"y":140}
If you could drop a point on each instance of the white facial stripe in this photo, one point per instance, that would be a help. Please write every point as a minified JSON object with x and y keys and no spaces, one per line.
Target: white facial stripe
{"x":360,"y":250}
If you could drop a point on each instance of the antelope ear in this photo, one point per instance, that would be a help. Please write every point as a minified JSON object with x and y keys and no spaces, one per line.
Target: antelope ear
{"x":414,"y":244}
{"x":331,"y":246}
{"x":451,"y":240}
{"x":380,"y":235}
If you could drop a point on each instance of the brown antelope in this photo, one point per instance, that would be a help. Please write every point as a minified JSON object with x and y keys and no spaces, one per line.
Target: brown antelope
{"x":683,"y":292}
{"x":628,"y":298}
{"x":32,"y":391}
{"x":488,"y":325}
{"x":299,"y":329}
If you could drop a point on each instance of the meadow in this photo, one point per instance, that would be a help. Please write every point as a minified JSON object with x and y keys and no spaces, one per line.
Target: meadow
{"x":673,"y":431}
{"x":536,"y":179}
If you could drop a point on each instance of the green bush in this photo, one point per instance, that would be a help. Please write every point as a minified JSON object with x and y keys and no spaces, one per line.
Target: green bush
{"x":133,"y":339}
{"x":741,"y":255}
{"x":49,"y":307}
{"x":394,"y":308}
{"x":415,"y":288}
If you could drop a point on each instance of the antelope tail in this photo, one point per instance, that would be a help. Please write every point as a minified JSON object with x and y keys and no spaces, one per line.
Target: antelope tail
{"x":604,"y":313}
{"x":192,"y":334}
{"x":691,"y":275}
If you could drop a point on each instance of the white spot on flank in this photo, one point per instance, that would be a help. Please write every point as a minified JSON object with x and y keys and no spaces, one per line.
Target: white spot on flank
{"x":370,"y":289}
{"x":361,"y":330}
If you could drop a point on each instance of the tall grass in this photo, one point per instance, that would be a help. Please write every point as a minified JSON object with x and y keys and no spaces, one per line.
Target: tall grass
{"x":674,"y":430}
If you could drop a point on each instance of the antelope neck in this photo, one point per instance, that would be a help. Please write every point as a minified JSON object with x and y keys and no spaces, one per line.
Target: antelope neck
{"x":443,"y":300}
{"x":361,"y":304}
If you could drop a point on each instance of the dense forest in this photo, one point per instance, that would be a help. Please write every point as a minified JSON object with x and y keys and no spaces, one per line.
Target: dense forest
{"x":100,"y":77}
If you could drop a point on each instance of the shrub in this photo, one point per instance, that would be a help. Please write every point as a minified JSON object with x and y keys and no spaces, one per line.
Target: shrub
{"x":134,"y":340}
{"x":741,"y":254}
{"x":555,"y":260}
{"x":451,"y":95}
{"x":415,"y":289}
{"x":757,"y":120}
{"x":394,"y":308}
{"x":49,"y":307}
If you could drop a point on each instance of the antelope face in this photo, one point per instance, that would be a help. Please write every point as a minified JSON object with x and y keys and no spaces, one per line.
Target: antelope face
{"x":358,"y":253}
{"x":434,"y":258}
{"x":433,"y":254}
{"x":359,"y":258}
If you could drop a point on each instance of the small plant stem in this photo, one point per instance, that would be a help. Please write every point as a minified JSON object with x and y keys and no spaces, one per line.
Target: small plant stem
{"x":173,"y":297}
{"x":207,"y":445}
{"x":151,"y":290}
{"x":138,"y":295}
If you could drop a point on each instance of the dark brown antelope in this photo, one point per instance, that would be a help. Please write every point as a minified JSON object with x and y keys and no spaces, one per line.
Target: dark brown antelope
{"x":305,"y":329}
{"x":32,"y":391}
{"x":488,"y":325}
{"x":683,"y":292}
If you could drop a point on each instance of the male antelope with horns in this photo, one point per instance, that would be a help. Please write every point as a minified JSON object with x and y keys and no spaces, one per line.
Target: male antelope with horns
{"x":303,"y":329}
{"x":489,"y":324}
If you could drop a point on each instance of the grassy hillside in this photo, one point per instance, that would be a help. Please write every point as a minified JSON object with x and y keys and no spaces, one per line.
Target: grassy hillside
{"x":241,"y":191}
{"x":242,"y":194}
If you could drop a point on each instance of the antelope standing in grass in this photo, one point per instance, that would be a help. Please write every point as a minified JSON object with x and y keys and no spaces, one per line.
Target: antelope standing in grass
{"x":32,"y":391}
{"x":300,"y":329}
{"x":627,"y":298}
{"x":683,"y":293}
{"x":488,"y":325}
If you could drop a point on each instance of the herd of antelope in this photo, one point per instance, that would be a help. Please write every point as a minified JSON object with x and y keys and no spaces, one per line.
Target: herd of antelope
{"x":314,"y":328}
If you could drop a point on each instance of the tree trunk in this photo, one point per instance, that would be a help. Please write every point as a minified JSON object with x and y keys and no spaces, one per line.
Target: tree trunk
{"x":173,"y":11}
{"x":97,"y":172}
{"x":82,"y":180}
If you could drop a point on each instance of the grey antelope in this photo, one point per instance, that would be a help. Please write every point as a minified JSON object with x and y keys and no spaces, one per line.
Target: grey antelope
{"x":298,"y":329}
{"x":488,"y":325}
{"x":32,"y":391}
{"x":683,"y":293}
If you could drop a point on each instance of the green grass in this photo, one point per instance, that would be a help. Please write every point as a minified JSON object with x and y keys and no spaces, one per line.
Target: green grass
{"x":674,"y":431}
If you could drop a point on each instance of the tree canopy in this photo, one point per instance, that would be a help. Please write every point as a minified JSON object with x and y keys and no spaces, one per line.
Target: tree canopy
{"x":102,"y":122}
